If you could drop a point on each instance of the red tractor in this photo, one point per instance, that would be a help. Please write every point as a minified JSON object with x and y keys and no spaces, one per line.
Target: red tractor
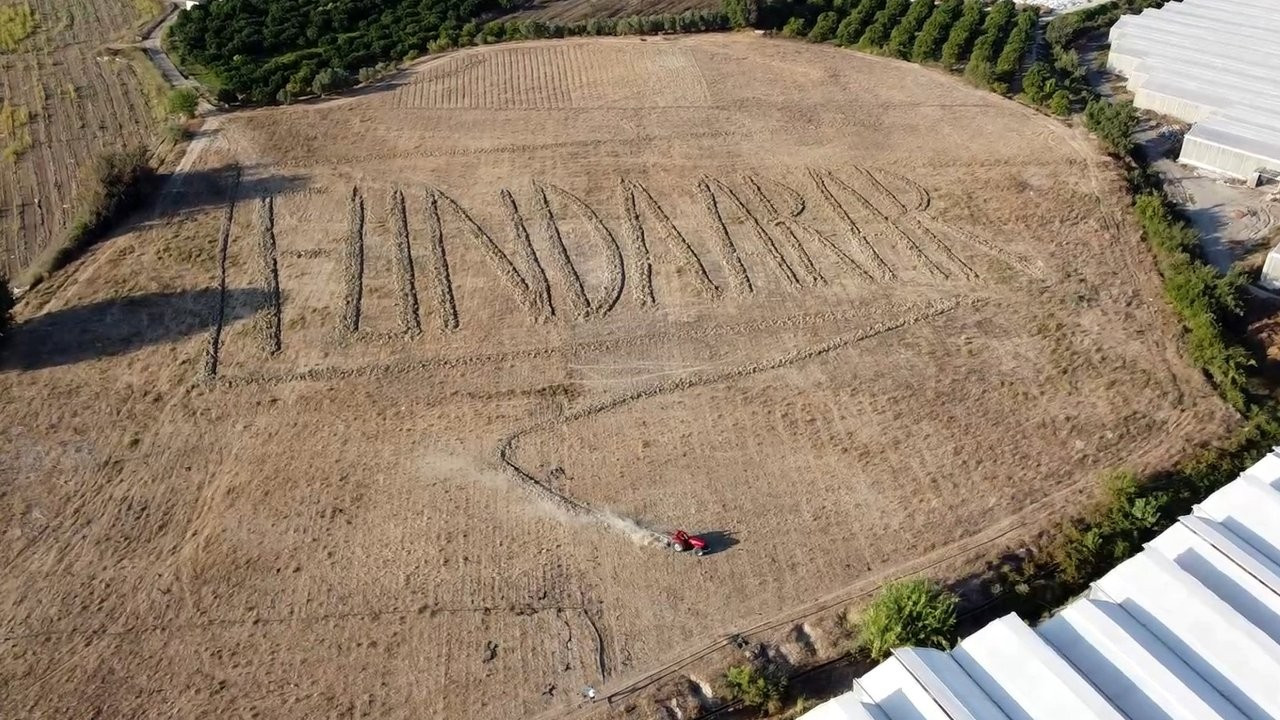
{"x":681,"y":541}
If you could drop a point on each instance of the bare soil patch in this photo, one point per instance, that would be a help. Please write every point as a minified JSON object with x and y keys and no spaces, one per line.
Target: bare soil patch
{"x":441,"y":355}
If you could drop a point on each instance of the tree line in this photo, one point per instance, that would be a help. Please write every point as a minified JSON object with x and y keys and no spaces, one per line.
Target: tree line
{"x":987,"y":42}
{"x":266,"y":51}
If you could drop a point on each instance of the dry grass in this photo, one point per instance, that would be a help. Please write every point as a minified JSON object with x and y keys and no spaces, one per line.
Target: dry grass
{"x":17,"y":22}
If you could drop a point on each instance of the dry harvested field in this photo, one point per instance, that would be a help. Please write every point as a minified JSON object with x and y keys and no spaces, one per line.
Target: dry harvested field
{"x":76,"y":101}
{"x":371,"y":415}
{"x":566,"y":11}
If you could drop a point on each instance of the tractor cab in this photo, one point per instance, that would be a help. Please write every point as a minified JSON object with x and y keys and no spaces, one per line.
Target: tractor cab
{"x":682,"y":541}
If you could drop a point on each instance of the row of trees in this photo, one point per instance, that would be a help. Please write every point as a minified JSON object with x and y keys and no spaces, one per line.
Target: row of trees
{"x":993,"y":40}
{"x":264,"y":51}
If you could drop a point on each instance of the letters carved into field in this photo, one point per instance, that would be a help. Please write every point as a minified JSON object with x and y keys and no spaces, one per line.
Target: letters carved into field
{"x":558,"y":257}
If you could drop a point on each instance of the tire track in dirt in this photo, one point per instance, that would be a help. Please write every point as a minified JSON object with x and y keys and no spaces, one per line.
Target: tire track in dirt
{"x":615,"y":270}
{"x":442,"y":284}
{"x":796,"y":206}
{"x":738,"y":278}
{"x":784,"y":269}
{"x":925,"y":262}
{"x":214,"y":345}
{"x":570,"y":281}
{"x":497,"y":259}
{"x":326,"y":374}
{"x":407,"y":307}
{"x":269,"y":266}
{"x":573,"y":508}
{"x":538,"y":284}
{"x":353,"y":264}
{"x":636,"y":194}
{"x":879,"y":269}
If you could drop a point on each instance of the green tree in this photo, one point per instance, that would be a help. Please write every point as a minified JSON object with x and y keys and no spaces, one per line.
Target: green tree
{"x":795,"y":27}
{"x":1038,"y":83}
{"x":742,"y":13}
{"x":852,"y":27}
{"x":330,"y":80}
{"x":183,"y":102}
{"x":908,"y":612}
{"x":1060,"y":103}
{"x":1113,"y":123}
{"x":1017,"y":44}
{"x":928,"y":44}
{"x":956,"y":48}
{"x":757,"y":687}
{"x":878,"y":33}
{"x":825,"y":27}
{"x":903,"y":37}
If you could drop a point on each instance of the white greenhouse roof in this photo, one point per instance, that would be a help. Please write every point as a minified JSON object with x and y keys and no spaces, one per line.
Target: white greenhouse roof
{"x":1188,"y":629}
{"x":1215,"y":63}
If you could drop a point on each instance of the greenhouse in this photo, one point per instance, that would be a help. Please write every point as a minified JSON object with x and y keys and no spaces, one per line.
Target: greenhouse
{"x":1214,"y":63}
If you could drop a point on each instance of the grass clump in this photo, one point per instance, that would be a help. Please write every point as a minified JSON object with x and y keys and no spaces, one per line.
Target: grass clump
{"x":182,"y":102}
{"x":760,"y":687}
{"x":915,"y":612}
{"x":1113,"y":124}
{"x":111,"y":187}
{"x":17,"y":22}
{"x":14,"y":130}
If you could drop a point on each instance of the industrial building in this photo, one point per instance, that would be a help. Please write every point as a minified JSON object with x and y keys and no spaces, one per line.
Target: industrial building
{"x":1189,"y":629}
{"x":1214,"y":63}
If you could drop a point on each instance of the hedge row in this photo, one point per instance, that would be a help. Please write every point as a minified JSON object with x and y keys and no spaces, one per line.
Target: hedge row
{"x":923,"y":31}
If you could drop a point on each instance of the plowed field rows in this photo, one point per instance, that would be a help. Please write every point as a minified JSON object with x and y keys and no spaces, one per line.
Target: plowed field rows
{"x":381,"y":424}
{"x":559,"y":77}
{"x":79,"y":101}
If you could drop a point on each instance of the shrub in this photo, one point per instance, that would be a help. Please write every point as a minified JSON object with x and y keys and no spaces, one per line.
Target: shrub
{"x":1060,"y":103}
{"x":956,"y":48}
{"x":183,"y":102}
{"x":1038,"y":83}
{"x":742,"y":13}
{"x":1113,"y":124}
{"x":795,"y":27}
{"x":981,"y":69}
{"x":852,"y":27}
{"x":762,"y":688}
{"x":1017,"y":44}
{"x":902,"y":39}
{"x":824,"y":28}
{"x":908,"y":612}
{"x":928,"y":44}
{"x":330,"y":80}
{"x":878,"y":33}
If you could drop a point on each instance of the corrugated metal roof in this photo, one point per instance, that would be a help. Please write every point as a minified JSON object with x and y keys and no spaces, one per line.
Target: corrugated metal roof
{"x":1188,"y":629}
{"x":1212,"y":62}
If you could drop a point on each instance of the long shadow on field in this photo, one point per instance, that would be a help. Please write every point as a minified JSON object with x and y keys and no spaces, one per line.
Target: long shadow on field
{"x":118,"y":326}
{"x":718,"y":541}
{"x":195,"y":190}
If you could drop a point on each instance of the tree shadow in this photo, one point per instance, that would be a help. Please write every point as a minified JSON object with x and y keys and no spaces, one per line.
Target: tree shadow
{"x":718,"y":541}
{"x":196,"y":190}
{"x":118,"y":326}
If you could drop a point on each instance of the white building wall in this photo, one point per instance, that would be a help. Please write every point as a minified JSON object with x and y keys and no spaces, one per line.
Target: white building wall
{"x":1216,"y":158}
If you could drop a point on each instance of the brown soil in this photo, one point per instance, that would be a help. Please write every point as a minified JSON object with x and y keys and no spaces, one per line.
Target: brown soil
{"x":377,"y":421}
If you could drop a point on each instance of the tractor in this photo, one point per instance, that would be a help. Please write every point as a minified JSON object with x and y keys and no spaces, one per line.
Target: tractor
{"x":680,"y":541}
